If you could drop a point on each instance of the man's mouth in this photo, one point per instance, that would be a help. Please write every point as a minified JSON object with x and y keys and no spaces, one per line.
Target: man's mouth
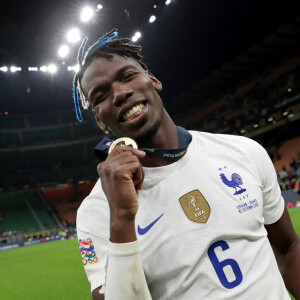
{"x":133,"y":112}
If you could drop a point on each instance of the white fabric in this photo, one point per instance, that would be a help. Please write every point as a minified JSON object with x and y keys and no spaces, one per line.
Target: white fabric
{"x":125,"y":278}
{"x":175,"y":250}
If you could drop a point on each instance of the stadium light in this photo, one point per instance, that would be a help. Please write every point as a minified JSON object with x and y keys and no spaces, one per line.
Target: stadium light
{"x":136,"y":36}
{"x":99,"y":6}
{"x":63,"y":51}
{"x":33,"y":69}
{"x":15,"y":69}
{"x":43,"y":68}
{"x":4,"y":69}
{"x":73,"y":68}
{"x":168,"y":2}
{"x":52,"y":68}
{"x":152,"y":19}
{"x":86,"y":14}
{"x":73,"y":35}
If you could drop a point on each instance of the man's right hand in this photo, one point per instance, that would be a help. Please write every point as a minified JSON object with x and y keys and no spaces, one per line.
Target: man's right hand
{"x":122,"y":176}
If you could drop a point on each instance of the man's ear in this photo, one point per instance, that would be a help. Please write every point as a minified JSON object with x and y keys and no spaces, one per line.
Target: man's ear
{"x":102,"y":126}
{"x":156,"y":83}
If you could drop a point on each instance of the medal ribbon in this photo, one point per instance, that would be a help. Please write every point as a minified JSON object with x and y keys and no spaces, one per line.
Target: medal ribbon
{"x":173,"y":155}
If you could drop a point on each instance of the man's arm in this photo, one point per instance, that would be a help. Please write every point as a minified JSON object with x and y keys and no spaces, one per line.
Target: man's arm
{"x":286,"y":246}
{"x":121,"y":177}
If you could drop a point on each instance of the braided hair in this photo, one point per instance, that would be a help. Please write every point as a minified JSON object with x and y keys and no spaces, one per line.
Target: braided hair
{"x":106,"y":46}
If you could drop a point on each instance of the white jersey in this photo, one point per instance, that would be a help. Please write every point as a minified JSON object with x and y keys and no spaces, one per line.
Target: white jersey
{"x":200,"y":224}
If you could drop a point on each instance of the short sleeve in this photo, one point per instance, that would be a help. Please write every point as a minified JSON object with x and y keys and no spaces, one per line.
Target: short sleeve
{"x":93,"y":237}
{"x":273,"y":202}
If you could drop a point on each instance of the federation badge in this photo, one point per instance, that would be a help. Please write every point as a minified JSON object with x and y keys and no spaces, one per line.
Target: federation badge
{"x":87,"y":252}
{"x":195,"y":206}
{"x":124,"y":141}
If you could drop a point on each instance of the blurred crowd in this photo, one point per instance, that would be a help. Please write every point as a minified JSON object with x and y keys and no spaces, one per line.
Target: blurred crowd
{"x":262,"y":100}
{"x":290,"y":179}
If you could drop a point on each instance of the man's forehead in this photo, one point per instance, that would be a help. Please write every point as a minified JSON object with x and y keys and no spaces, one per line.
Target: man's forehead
{"x":103,"y":66}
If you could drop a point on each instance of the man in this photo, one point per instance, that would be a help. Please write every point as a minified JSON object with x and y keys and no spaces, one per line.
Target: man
{"x":187,"y":217}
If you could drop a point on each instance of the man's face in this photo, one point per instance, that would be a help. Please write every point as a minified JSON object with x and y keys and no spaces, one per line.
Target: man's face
{"x":124,"y":96}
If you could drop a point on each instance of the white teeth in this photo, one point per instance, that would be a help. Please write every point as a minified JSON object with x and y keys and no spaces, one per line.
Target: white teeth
{"x":133,"y":112}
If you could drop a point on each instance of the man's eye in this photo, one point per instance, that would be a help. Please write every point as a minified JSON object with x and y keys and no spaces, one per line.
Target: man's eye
{"x":129,"y":76}
{"x":99,"y":99}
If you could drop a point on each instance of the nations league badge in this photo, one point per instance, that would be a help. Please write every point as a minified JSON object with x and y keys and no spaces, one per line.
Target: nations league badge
{"x":124,"y":141}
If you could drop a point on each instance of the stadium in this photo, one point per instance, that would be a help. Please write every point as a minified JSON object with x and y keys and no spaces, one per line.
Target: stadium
{"x":227,"y":67}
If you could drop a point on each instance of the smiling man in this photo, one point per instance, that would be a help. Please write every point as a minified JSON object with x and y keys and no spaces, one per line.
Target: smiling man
{"x":188,"y":215}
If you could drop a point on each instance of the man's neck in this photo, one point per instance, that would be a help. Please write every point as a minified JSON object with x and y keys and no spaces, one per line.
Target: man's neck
{"x":165,"y":138}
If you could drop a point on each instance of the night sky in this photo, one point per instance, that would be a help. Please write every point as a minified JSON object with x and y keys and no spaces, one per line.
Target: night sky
{"x":186,"y":43}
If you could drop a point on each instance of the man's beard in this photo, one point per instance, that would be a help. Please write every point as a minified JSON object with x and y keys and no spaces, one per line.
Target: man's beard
{"x":144,"y":137}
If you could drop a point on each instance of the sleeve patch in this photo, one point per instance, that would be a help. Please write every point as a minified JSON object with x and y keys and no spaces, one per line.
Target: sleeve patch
{"x":87,"y":252}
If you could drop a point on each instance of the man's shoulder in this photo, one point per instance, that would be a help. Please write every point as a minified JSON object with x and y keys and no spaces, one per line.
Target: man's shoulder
{"x":224,"y":139}
{"x":94,"y":201}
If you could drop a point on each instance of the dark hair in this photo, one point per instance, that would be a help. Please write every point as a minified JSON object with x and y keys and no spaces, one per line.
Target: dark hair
{"x":106,"y":46}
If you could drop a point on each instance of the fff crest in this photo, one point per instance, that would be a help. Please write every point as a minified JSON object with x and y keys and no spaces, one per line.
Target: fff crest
{"x":195,"y":206}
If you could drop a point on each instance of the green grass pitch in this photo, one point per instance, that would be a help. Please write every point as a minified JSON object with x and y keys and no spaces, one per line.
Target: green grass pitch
{"x":54,"y":270}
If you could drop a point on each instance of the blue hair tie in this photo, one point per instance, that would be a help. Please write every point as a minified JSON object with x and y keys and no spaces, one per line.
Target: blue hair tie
{"x":81,"y":60}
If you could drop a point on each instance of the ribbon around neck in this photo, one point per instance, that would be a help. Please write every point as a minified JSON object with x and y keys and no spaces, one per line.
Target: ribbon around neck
{"x":172,"y":155}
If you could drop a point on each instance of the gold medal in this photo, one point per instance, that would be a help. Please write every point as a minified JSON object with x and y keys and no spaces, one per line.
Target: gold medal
{"x":124,"y":141}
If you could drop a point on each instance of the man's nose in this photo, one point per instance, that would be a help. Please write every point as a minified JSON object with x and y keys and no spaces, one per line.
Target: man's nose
{"x":121,"y":93}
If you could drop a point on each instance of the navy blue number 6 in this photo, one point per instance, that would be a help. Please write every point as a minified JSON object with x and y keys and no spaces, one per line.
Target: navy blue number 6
{"x":219,"y":265}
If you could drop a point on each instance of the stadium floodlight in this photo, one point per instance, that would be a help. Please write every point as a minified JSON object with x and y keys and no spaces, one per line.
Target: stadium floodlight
{"x":152,"y":19}
{"x":86,"y":14}
{"x":73,"y":68}
{"x":52,"y":68}
{"x":73,"y":35}
{"x":255,"y":125}
{"x":4,"y":69}
{"x":63,"y":51}
{"x":43,"y":68}
{"x":99,"y":6}
{"x":136,"y":36}
{"x":32,"y":69}
{"x":15,"y":69}
{"x":168,"y":2}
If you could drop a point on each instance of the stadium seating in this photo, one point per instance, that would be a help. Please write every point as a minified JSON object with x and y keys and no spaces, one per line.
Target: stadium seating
{"x":289,"y":150}
{"x":23,"y":213}
{"x":66,"y":199}
{"x":263,"y":95}
{"x":49,"y":148}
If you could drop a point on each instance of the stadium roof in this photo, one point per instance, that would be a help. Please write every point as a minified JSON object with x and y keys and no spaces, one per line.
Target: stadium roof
{"x":186,"y":43}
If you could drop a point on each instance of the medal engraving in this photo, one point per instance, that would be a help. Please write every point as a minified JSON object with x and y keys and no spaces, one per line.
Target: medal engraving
{"x":125,"y":141}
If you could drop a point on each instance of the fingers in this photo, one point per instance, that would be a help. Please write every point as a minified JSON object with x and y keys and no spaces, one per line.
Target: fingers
{"x":121,"y":149}
{"x":123,"y":162}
